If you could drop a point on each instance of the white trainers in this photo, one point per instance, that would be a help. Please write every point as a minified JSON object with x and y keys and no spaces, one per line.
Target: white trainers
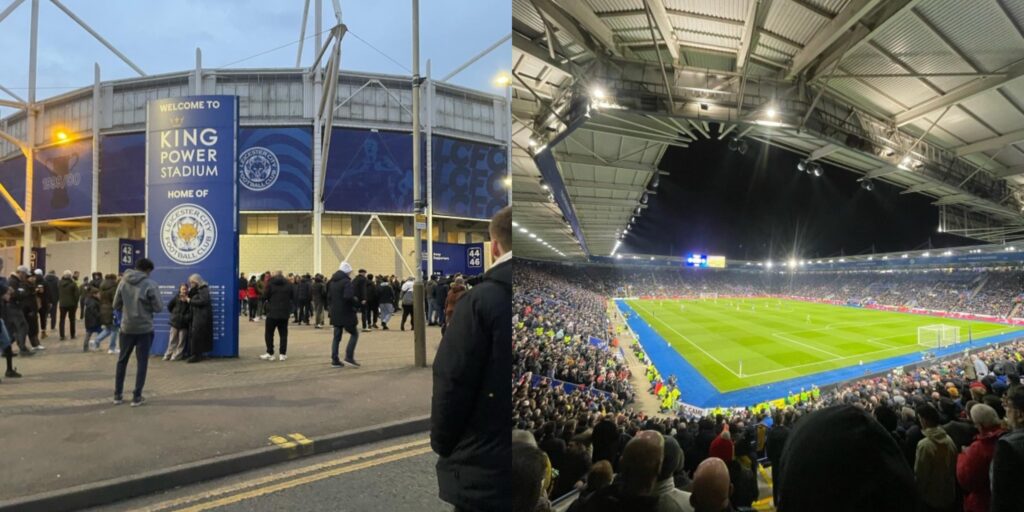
{"x":267,"y":357}
{"x":282,"y":357}
{"x":40,"y":347}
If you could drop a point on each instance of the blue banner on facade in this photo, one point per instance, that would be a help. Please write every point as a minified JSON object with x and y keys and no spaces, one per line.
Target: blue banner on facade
{"x":62,"y":181}
{"x":12,"y":176}
{"x":369,"y":171}
{"x":38,"y":256}
{"x":128,"y":252}
{"x":468,"y":178}
{"x":122,"y":174}
{"x":451,"y":259}
{"x":192,"y":212}
{"x":275,"y":169}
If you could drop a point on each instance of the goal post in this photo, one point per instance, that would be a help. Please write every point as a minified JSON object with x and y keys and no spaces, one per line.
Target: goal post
{"x":938,"y":335}
{"x":708,"y":296}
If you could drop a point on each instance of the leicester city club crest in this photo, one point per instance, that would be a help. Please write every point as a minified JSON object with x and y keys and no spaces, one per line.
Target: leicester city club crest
{"x":258,"y":168}
{"x":188,"y":234}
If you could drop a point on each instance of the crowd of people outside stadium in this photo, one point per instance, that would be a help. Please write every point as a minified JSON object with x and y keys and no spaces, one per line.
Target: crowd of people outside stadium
{"x":38,"y":306}
{"x":948,"y":435}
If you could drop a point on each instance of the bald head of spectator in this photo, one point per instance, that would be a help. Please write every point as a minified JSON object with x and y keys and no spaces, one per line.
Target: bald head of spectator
{"x":711,"y":487}
{"x":641,"y":462}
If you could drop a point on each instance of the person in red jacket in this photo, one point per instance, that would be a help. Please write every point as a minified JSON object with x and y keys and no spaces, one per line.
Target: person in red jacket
{"x":972,"y":465}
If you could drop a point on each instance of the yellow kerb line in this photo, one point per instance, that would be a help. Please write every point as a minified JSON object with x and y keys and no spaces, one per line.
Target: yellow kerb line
{"x":280,"y":476}
{"x":304,"y":480}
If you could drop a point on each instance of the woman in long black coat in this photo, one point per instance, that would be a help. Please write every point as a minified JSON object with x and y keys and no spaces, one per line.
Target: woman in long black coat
{"x":200,"y":332}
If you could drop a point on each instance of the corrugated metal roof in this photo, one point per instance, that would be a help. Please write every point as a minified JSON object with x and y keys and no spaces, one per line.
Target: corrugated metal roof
{"x":913,"y":43}
{"x":626,"y":22}
{"x":832,"y":6}
{"x":705,"y":60}
{"x":790,"y":20}
{"x":707,"y":26}
{"x":708,"y":39}
{"x":525,"y":13}
{"x":997,"y":112}
{"x":777,"y":45}
{"x":731,"y":9}
{"x":856,"y":92}
{"x":613,"y":5}
{"x":981,"y":31}
{"x":771,"y":53}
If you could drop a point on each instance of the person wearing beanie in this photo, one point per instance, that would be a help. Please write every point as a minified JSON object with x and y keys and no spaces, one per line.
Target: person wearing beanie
{"x":840,"y":459}
{"x":671,"y":463}
{"x":342,"y":303}
{"x":1008,"y":458}
{"x":935,"y":462}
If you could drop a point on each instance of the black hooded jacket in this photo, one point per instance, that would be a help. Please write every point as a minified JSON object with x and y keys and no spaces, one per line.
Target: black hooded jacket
{"x":279,"y":294}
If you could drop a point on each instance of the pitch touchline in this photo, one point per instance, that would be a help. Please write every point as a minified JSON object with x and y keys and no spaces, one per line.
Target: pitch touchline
{"x":705,"y":352}
{"x":821,"y":362}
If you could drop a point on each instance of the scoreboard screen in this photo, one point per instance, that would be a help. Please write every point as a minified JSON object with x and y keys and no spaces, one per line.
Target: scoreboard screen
{"x":697,"y":260}
{"x":705,"y":261}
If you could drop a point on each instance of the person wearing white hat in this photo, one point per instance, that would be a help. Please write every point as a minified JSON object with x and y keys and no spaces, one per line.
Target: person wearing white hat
{"x":342,"y":303}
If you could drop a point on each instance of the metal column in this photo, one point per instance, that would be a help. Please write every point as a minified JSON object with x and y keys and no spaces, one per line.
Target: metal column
{"x":419,"y":329}
{"x":30,"y":139}
{"x":430,"y":173}
{"x":318,"y":204}
{"x":94,"y":221}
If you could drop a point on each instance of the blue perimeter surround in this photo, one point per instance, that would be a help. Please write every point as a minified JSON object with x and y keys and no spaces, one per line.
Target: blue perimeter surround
{"x":699,"y":392}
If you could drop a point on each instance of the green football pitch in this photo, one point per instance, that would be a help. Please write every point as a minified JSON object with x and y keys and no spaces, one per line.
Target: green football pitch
{"x":774,"y":340}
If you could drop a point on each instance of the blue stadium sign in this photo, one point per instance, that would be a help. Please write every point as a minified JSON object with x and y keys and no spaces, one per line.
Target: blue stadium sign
{"x":191,"y":205}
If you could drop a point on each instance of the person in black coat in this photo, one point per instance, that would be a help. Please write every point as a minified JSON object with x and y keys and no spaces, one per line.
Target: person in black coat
{"x":200,"y":308}
{"x":52,"y":285}
{"x":469,"y":427}
{"x":359,"y":287}
{"x":343,"y":303}
{"x":441,"y":295}
{"x":372,"y":300}
{"x":386,"y":298}
{"x":303,"y":299}
{"x":15,"y":319}
{"x":279,"y":294}
{"x":319,"y":298}
{"x":180,"y":321}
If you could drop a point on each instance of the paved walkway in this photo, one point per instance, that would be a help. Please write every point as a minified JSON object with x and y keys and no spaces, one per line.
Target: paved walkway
{"x":61,"y":429}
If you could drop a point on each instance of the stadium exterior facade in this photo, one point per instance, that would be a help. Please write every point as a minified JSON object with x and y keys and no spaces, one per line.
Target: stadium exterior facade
{"x":367,"y":194}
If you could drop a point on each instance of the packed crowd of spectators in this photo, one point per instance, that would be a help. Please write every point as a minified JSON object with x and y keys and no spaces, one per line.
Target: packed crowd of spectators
{"x":947,"y":435}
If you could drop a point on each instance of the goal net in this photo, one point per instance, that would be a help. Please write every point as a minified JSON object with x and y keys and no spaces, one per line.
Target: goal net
{"x":938,"y":335}
{"x":709,"y":296}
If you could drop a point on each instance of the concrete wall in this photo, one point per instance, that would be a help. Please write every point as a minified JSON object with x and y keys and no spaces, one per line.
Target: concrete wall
{"x":294,"y":253}
{"x":75,"y":255}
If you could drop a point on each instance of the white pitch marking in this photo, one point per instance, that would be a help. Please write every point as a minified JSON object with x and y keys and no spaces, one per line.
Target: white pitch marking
{"x":713,"y":358}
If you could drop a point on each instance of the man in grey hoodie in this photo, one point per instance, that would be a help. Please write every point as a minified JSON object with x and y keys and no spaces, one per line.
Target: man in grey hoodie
{"x":138,"y":299}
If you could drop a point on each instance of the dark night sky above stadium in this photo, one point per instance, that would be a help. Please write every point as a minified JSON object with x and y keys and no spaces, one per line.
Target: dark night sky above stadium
{"x":757,"y":206}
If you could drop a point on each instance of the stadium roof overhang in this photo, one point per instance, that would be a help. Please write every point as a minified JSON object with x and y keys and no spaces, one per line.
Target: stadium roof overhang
{"x":901,"y":91}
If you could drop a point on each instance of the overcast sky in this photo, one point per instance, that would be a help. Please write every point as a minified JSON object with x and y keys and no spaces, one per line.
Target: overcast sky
{"x":161,"y":36}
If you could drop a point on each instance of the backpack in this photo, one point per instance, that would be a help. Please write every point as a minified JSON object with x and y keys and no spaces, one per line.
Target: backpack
{"x":407,"y":298}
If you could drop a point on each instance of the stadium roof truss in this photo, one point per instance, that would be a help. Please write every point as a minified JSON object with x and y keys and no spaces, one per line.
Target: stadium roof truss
{"x":925,"y":95}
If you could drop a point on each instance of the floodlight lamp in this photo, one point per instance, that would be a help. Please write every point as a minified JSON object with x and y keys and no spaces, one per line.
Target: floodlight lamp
{"x":597,"y":92}
{"x":801,"y":165}
{"x":817,"y":170}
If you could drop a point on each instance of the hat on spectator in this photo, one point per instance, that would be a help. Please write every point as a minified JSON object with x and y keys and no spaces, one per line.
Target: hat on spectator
{"x":345,"y":267}
{"x":840,"y":458}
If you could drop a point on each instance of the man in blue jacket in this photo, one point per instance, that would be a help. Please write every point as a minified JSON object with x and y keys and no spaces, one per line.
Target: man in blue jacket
{"x":470,"y":410}
{"x":137,"y":298}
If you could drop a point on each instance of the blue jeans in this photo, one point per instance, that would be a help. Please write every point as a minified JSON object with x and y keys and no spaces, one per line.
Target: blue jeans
{"x":129,"y":342}
{"x":350,"y":348}
{"x":431,"y":312}
{"x":111,"y":331}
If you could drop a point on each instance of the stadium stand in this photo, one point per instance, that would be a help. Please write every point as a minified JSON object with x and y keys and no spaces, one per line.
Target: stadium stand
{"x":923,"y":438}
